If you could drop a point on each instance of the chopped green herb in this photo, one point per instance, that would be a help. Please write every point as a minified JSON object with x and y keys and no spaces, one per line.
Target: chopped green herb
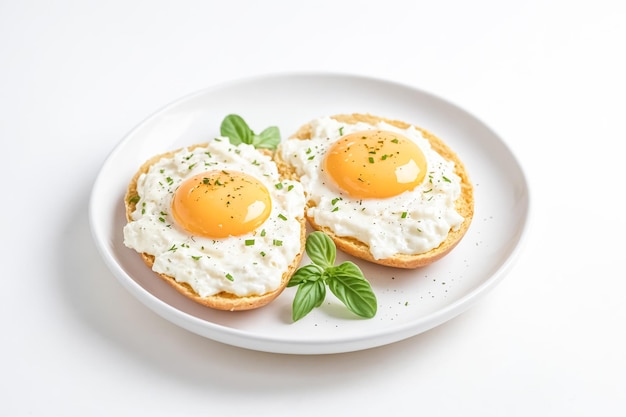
{"x":249,"y":242}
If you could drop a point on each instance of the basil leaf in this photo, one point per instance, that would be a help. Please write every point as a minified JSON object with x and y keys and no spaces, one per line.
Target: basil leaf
{"x":321,"y":249}
{"x":307,"y":273}
{"x":346,"y":281}
{"x":236,"y":130}
{"x":310,"y":294}
{"x":267,"y":139}
{"x":349,"y":285}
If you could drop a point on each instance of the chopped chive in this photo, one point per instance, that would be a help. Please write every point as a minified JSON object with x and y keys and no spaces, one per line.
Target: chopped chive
{"x":279,"y":186}
{"x":371,"y":160}
{"x":403,"y":215}
{"x":229,"y":277}
{"x":277,"y":242}
{"x":249,"y":242}
{"x":282,"y":217}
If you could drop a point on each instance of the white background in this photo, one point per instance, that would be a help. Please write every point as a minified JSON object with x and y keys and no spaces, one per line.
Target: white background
{"x":548,"y":76}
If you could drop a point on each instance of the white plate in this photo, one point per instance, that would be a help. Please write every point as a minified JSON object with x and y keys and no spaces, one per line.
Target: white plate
{"x":410,"y":301}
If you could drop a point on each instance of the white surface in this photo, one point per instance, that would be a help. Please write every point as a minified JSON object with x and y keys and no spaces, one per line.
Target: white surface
{"x":410,"y":302}
{"x":547,"y":76}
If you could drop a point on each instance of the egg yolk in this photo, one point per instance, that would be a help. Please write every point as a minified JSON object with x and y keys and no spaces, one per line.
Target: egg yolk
{"x":375,"y":164}
{"x":219,"y":204}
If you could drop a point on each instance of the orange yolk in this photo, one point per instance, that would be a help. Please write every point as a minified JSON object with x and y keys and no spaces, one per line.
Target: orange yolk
{"x":375,"y":164}
{"x":218,"y":204}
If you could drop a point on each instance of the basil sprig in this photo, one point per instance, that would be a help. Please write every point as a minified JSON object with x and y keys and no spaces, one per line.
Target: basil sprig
{"x":345,"y":280}
{"x":237,"y":131}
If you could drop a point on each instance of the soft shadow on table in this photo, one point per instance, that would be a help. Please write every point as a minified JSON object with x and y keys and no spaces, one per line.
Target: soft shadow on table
{"x":122,"y":324}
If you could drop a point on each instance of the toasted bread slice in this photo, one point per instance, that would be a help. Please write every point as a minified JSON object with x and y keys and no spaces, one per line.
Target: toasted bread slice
{"x":464,"y":205}
{"x":222,"y":300}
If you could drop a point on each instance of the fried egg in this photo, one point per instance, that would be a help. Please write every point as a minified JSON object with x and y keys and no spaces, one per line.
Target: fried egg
{"x":219,"y":218}
{"x":382,"y":185}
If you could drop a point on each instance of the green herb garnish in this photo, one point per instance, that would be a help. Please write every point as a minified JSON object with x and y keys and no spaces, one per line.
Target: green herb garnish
{"x":237,"y":131}
{"x":346,"y":281}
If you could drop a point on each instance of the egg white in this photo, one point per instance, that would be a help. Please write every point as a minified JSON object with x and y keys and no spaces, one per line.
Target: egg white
{"x":210,"y":266}
{"x":413,"y":222}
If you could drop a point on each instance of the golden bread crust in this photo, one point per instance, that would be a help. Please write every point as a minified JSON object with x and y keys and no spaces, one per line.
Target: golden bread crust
{"x":464,"y":204}
{"x":222,"y":300}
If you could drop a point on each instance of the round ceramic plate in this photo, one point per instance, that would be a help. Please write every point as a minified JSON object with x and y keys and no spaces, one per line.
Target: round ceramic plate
{"x":410,"y":301}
